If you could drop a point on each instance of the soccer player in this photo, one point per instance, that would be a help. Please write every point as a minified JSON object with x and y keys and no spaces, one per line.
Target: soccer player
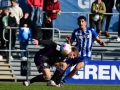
{"x":84,"y":37}
{"x":49,"y":56}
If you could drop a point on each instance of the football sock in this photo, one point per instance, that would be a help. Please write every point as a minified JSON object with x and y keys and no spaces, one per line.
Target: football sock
{"x":38,"y":78}
{"x":57,"y":76}
{"x":59,"y":79}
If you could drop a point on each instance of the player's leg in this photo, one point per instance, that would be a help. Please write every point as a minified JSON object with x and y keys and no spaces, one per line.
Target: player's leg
{"x":42,"y":77}
{"x":64,"y":66}
{"x":58,"y":74}
{"x":43,"y":67}
{"x":39,"y":78}
{"x":81,"y":63}
{"x":76,"y":69}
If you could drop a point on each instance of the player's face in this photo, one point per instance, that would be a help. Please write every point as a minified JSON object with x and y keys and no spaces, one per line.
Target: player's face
{"x":82,"y":24}
{"x":72,"y":55}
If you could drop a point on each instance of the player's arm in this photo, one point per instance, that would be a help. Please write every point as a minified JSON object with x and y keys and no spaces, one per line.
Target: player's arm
{"x":44,"y":42}
{"x":100,"y":41}
{"x":74,"y":71}
{"x":70,"y":39}
{"x":96,"y":37}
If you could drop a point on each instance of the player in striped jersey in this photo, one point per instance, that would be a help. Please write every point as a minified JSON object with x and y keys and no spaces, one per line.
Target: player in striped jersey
{"x":84,"y":37}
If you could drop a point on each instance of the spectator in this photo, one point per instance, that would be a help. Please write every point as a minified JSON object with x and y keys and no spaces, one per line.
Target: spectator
{"x":44,"y":9}
{"x":36,"y":6}
{"x":118,"y":8}
{"x":25,"y":28}
{"x":17,"y":12}
{"x":47,"y":34}
{"x":1,"y":30}
{"x":98,"y":8}
{"x":52,"y":9}
{"x":109,"y":5}
{"x":8,"y":21}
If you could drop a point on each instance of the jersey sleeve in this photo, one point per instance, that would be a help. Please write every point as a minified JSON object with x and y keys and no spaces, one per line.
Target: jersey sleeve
{"x":94,"y":34}
{"x":73,"y":36}
{"x":72,"y":62}
{"x":69,"y":61}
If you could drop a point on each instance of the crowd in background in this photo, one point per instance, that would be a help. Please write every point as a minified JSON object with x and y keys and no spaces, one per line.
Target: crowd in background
{"x":30,"y":26}
{"x":28,"y":23}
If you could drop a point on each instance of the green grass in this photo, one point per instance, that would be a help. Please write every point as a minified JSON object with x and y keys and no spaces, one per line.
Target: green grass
{"x":42,"y":86}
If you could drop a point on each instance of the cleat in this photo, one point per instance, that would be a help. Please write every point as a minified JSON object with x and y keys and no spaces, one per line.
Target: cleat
{"x":26,"y":83}
{"x":51,"y":83}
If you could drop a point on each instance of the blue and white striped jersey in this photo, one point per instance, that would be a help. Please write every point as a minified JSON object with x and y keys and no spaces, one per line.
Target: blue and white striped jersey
{"x":84,"y":40}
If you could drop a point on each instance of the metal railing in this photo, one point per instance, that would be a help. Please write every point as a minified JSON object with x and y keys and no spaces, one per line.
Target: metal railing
{"x":53,"y":34}
{"x":80,"y":13}
{"x":28,"y":51}
{"x":53,"y":31}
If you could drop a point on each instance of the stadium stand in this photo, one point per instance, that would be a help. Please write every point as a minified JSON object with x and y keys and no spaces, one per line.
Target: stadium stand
{"x":6,"y":71}
{"x":12,"y":70}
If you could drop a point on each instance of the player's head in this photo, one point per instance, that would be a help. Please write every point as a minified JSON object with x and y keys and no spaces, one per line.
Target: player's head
{"x":70,"y":52}
{"x":73,"y":54}
{"x":82,"y":22}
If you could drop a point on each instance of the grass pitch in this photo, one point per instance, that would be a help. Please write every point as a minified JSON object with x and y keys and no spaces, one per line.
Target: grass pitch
{"x":42,"y":86}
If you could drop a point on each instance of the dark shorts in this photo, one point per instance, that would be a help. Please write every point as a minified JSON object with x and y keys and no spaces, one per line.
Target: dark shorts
{"x":41,"y":63}
{"x":77,"y":60}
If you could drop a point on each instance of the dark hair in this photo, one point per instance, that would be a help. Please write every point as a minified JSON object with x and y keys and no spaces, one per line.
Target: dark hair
{"x":74,"y":49}
{"x":1,"y":8}
{"x":13,"y":0}
{"x":5,"y":8}
{"x":24,"y":12}
{"x":81,"y":17}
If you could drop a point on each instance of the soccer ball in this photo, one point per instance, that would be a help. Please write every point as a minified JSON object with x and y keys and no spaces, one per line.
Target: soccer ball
{"x":65,"y":48}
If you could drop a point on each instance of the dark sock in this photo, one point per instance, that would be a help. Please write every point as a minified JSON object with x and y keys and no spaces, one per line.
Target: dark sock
{"x":38,"y":78}
{"x":58,"y":80}
{"x":57,"y":76}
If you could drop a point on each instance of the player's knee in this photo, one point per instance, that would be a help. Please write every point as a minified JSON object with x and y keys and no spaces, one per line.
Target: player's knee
{"x":46,"y":77}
